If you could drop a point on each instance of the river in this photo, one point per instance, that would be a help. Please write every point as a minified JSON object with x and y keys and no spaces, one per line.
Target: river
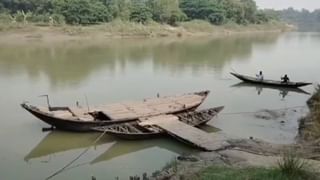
{"x":122,"y":70}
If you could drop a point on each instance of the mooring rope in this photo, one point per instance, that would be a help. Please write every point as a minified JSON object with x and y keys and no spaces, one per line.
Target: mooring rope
{"x":72,"y":161}
{"x":252,"y":112}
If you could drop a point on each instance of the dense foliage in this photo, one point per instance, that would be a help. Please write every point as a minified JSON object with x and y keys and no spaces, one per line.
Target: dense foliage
{"x":141,"y":11}
{"x":304,"y":19}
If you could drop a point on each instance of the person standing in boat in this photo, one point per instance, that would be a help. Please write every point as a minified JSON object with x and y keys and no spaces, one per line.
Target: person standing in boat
{"x":285,"y":79}
{"x":260,"y":76}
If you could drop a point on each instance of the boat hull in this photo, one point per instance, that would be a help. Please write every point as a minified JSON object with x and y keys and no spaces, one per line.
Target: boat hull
{"x":138,"y":136}
{"x":65,"y":124}
{"x":152,"y":134}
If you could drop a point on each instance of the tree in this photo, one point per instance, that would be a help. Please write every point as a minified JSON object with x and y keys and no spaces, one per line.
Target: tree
{"x":165,"y":11}
{"x":250,"y":9}
{"x":162,"y":11}
{"x":233,"y":10}
{"x":82,"y":11}
{"x":140,"y":12}
{"x":119,"y":8}
{"x":216,"y":18}
{"x":210,"y":10}
{"x":316,"y":15}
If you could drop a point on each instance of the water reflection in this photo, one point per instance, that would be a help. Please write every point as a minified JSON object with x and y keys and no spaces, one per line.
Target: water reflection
{"x":59,"y":141}
{"x":71,"y":63}
{"x":283,"y":92}
{"x":123,"y":147}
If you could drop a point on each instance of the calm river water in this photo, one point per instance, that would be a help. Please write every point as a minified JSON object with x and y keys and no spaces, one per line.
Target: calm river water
{"x":121,"y":70}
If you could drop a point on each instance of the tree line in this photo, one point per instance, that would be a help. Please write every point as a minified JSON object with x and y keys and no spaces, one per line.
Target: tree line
{"x":292,"y":15}
{"x":304,"y":19}
{"x":171,"y":12}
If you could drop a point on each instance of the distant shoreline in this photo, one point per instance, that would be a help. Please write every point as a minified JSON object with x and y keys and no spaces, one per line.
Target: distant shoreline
{"x":22,"y":33}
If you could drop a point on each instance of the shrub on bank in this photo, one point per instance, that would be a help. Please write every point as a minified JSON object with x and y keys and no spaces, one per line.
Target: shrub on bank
{"x":291,"y":166}
{"x":5,"y":18}
{"x":22,"y":17}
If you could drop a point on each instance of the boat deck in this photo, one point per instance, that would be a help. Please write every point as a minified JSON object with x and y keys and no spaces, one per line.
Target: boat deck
{"x":150,"y":107}
{"x":185,"y":133}
{"x":130,"y":110}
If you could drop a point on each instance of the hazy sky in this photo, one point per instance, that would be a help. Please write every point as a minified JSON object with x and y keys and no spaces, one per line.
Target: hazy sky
{"x":283,"y":4}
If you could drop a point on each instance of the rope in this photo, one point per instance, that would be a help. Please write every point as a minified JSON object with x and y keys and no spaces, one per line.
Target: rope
{"x":72,"y":161}
{"x":252,"y":112}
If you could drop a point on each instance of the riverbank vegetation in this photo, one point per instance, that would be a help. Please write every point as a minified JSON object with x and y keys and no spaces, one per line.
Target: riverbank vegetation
{"x":88,"y":12}
{"x":288,"y":167}
{"x":229,"y":173}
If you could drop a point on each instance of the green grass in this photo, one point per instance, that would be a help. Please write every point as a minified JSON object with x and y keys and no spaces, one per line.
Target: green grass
{"x":226,"y":173}
{"x":172,"y":164}
{"x":291,"y":165}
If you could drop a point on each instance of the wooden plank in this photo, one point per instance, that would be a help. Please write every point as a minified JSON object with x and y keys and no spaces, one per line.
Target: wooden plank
{"x":154,"y":119}
{"x":184,"y":132}
{"x":81,"y":113}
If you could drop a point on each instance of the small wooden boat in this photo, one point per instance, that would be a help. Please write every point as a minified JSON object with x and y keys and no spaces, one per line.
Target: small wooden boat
{"x":270,"y":82}
{"x":80,"y":119}
{"x":134,"y":131}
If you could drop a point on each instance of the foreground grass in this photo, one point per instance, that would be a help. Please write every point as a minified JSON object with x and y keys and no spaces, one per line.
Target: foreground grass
{"x":226,"y":173}
{"x":289,"y":167}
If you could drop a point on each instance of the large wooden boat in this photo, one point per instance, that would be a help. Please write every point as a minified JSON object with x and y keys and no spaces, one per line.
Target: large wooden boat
{"x":134,"y":131}
{"x":254,"y":80}
{"x":82,"y":119}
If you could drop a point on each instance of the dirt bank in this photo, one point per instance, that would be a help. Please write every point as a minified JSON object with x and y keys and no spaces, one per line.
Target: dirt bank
{"x":241,"y":153}
{"x":24,"y":33}
{"x":309,"y":127}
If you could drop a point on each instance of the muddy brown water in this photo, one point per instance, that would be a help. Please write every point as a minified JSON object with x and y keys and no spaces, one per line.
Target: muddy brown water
{"x":120,"y":70}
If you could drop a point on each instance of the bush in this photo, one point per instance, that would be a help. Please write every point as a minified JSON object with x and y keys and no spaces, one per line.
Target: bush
{"x":291,"y":166}
{"x":140,"y":13}
{"x":45,"y":18}
{"x":5,"y":18}
{"x":82,"y":11}
{"x":21,"y":16}
{"x":58,"y":19}
{"x":216,"y":18}
{"x":175,"y":17}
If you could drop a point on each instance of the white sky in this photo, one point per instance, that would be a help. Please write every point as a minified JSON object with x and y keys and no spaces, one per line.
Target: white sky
{"x":284,"y":4}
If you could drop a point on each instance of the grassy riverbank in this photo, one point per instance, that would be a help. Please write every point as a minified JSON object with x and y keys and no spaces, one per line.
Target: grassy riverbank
{"x":239,"y":165}
{"x":228,"y":173}
{"x":18,"y":32}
